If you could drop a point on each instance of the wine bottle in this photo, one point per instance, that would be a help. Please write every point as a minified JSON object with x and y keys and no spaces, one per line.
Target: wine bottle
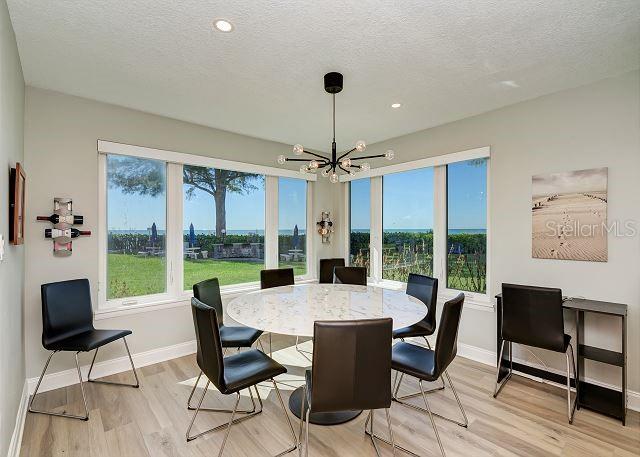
{"x":64,"y":236}
{"x":66,"y":219}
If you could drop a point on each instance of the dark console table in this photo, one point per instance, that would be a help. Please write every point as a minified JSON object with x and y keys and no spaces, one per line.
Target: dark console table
{"x":606,"y":401}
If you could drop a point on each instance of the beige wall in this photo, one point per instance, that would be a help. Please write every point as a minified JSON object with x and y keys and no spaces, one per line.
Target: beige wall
{"x":597,"y":125}
{"x":12,"y":267}
{"x":591,"y":126}
{"x":60,"y":152}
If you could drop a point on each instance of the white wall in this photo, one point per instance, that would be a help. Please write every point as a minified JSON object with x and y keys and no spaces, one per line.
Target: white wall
{"x":60,"y":154}
{"x":597,"y":125}
{"x":12,"y":267}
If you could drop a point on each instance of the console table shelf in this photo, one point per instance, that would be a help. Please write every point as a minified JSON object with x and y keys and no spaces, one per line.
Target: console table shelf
{"x":600,"y":399}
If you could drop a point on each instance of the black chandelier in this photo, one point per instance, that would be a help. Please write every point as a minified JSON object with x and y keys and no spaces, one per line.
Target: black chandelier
{"x":328,"y":167}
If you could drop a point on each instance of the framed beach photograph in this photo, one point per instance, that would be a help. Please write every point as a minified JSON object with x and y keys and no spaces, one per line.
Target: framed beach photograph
{"x":17,"y":182}
{"x":569,"y":215}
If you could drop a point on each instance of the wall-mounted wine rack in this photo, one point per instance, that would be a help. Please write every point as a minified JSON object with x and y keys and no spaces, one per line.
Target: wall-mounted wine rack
{"x":63,"y":231}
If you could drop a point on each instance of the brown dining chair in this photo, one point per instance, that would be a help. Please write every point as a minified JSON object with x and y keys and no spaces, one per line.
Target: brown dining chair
{"x":350,"y":275}
{"x":326,"y":269}
{"x":351,"y":371}
{"x":276,"y":277}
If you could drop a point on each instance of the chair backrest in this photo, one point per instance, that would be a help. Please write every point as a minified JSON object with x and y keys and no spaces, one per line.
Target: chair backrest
{"x":208,"y":292}
{"x":66,"y":310}
{"x":350,"y":275}
{"x":326,"y":269}
{"x":533,"y":316}
{"x":209,"y":347}
{"x":447,"y":339}
{"x":276,"y":277}
{"x":351,"y":365}
{"x":425,"y":289}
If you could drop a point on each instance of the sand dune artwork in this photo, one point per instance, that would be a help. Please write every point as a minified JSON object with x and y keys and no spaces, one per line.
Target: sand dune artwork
{"x":569,"y":215}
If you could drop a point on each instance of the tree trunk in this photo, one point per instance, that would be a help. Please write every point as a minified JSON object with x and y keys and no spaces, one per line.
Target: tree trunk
{"x":220,"y":197}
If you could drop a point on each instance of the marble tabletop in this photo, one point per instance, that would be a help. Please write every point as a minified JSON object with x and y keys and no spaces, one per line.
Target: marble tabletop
{"x":292,"y":310}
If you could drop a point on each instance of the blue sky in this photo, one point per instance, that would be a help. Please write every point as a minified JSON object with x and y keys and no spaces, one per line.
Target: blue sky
{"x":244,"y":212}
{"x":408,"y":198}
{"x":407,"y":204}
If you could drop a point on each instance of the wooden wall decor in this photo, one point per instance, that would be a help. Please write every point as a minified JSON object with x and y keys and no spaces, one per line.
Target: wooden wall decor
{"x":17,"y":181}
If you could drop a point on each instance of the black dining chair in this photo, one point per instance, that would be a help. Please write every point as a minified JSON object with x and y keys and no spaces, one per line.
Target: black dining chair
{"x":425,"y":289}
{"x":350,"y":275}
{"x":208,"y":292}
{"x":326,"y":269}
{"x":231,"y":374}
{"x":427,"y":365}
{"x":351,"y":371}
{"x":67,"y":326}
{"x":276,"y":277}
{"x":533,"y":316}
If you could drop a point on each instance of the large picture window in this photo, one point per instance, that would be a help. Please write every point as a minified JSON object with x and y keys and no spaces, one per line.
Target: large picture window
{"x":360,"y":220}
{"x":407,"y":224}
{"x":292,"y":225}
{"x":223,"y":225}
{"x":467,"y":225}
{"x":136,"y":227}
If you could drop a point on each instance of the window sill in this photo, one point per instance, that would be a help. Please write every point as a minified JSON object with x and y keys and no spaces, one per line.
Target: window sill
{"x":227,"y":293}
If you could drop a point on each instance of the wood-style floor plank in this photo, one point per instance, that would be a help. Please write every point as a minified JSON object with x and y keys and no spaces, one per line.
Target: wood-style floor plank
{"x":527,"y":419}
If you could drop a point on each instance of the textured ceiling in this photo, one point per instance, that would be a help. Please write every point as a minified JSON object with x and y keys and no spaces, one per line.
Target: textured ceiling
{"x":442,"y":59}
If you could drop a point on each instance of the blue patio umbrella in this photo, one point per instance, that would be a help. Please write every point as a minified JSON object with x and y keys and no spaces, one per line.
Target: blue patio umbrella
{"x":296,"y":237}
{"x":154,"y":234}
{"x":192,"y":236}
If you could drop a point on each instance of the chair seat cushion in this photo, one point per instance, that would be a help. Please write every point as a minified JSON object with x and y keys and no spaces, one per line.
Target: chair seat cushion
{"x":238,"y":337}
{"x":248,"y":368}
{"x":414,"y":360}
{"x":87,"y":341}
{"x":422,"y":328}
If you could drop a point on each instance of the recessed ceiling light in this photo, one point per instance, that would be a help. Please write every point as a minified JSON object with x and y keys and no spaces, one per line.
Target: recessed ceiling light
{"x":396,"y":105}
{"x":223,"y":25}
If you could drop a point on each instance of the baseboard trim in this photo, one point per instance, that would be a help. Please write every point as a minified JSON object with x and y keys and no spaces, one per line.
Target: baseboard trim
{"x":109,"y":367}
{"x":16,"y":438}
{"x":488,"y":357}
{"x":121,"y":364}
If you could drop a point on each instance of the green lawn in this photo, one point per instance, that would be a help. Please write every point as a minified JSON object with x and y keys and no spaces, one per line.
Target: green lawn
{"x":131,"y":276}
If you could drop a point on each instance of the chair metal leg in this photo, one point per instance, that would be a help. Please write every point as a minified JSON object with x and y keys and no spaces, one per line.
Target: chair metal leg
{"x":304,"y":396}
{"x":225,"y":425}
{"x":70,"y":416}
{"x":306,"y":448}
{"x":392,"y":443}
{"x":302,"y":352}
{"x":433,"y":422}
{"x":464,"y":424}
{"x":217,"y":410}
{"x":284,"y":410}
{"x":133,"y":368}
{"x":499,"y":386}
{"x":571,"y":409}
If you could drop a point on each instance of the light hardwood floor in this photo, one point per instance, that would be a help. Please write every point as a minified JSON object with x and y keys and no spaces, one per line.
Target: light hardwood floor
{"x":527,"y":419}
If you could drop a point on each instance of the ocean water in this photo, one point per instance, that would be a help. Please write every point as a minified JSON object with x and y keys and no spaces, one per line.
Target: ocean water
{"x":451,"y":231}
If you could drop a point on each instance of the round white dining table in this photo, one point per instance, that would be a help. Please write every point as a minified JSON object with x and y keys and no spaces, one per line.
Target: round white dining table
{"x":292,"y":310}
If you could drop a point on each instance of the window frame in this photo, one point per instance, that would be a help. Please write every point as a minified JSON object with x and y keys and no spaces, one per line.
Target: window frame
{"x":473,"y":299}
{"x":174,"y":294}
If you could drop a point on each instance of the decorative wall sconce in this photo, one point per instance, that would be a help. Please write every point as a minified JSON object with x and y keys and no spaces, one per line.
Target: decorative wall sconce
{"x":325,"y":226}
{"x":62,"y":232}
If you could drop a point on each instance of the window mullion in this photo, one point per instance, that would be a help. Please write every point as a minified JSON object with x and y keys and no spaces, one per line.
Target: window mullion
{"x":174,"y":236}
{"x":376,"y":229}
{"x":440,"y":223}
{"x":271,"y":222}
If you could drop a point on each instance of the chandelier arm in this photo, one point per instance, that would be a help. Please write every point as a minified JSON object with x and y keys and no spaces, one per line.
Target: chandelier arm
{"x":344,"y":169}
{"x":316,"y":155}
{"x":346,"y":154}
{"x":296,"y":160}
{"x":368,"y":157}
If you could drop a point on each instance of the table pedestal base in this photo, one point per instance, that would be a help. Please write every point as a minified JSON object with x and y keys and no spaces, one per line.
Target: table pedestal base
{"x":333,"y":418}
